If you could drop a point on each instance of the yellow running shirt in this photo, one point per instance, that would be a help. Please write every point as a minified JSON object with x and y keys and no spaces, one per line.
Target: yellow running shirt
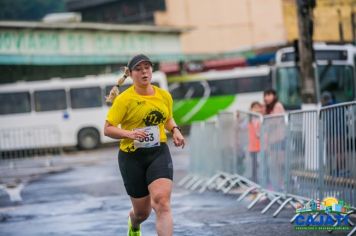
{"x":133,"y":111}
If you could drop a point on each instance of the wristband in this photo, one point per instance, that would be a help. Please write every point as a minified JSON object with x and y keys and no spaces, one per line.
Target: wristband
{"x":175,"y":127}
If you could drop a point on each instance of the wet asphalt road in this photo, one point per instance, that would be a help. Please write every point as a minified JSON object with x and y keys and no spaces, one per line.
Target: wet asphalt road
{"x":89,"y":199}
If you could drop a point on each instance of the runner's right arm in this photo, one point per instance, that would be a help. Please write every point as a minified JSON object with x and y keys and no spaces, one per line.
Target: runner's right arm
{"x":114,"y":117}
{"x":118,"y":133}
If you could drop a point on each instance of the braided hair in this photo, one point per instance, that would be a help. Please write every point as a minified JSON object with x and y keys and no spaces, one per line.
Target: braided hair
{"x":114,"y":92}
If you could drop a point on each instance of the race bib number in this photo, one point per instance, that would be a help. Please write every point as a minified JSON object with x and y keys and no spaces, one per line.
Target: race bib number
{"x":152,"y":139}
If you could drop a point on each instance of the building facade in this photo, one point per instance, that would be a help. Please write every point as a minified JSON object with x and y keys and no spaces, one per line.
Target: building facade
{"x":37,"y":50}
{"x":230,"y":25}
{"x":117,"y":11}
{"x":226,"y":25}
{"x":334,"y":21}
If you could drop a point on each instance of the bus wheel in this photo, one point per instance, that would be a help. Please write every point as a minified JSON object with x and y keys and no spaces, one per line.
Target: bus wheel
{"x":88,"y":138}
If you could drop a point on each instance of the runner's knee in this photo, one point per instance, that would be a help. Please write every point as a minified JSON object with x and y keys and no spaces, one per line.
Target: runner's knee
{"x":161,"y":203}
{"x":142,"y":216}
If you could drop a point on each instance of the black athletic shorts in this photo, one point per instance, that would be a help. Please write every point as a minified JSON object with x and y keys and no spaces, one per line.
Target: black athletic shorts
{"x":143,"y":166}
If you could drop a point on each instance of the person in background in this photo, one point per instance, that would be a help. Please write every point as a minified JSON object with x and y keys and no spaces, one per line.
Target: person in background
{"x":327,"y":99}
{"x":335,"y":137}
{"x":272,"y":106}
{"x":274,"y":138}
{"x":254,"y":127}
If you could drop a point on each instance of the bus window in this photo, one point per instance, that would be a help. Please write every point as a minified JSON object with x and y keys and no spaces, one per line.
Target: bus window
{"x":288,"y":86}
{"x":50,"y":100}
{"x":221,"y":87}
{"x":319,"y":55}
{"x":253,"y":84}
{"x":338,"y":80}
{"x":122,"y":89}
{"x":18,"y":102}
{"x":86,"y":97}
{"x":239,"y":85}
{"x":188,"y":90}
{"x":196,"y":89}
{"x":109,"y":87}
{"x":178,"y":90}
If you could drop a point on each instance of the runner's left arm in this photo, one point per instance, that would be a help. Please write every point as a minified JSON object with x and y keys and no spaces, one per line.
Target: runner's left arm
{"x":178,"y":138}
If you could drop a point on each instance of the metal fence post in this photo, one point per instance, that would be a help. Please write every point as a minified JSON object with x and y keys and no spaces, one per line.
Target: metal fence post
{"x":287,"y":177}
{"x":320,"y":141}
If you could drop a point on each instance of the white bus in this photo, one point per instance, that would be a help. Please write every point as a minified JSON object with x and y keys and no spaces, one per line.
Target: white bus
{"x":58,"y":112}
{"x":202,"y":96}
{"x":335,"y":74}
{"x":335,"y":71}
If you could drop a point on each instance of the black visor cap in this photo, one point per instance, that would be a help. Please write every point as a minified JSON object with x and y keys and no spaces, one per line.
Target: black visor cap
{"x":136,"y":60}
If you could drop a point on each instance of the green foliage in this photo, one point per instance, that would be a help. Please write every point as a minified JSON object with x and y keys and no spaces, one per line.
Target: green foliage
{"x":29,"y":9}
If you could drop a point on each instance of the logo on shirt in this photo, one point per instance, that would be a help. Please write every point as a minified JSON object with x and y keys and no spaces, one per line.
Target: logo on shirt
{"x":154,"y":117}
{"x":140,"y":103}
{"x":130,"y":148}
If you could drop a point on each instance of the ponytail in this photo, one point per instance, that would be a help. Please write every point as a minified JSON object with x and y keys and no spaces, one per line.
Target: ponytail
{"x":114,"y":92}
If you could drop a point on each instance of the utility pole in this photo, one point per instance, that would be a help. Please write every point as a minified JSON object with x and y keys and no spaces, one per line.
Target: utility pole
{"x":341,"y":28}
{"x":306,"y":55}
{"x":353,"y":24}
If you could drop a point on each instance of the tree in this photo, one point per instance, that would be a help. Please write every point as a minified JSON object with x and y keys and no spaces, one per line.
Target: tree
{"x":305,"y":47}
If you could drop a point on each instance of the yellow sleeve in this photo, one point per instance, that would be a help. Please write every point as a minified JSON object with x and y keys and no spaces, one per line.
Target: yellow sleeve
{"x":117,"y":111}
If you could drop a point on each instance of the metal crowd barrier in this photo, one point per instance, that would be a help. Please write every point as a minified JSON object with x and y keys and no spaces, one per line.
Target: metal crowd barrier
{"x":203,"y":148}
{"x":303,"y":155}
{"x":272,"y":155}
{"x":29,"y":142}
{"x":221,"y":145}
{"x":338,"y":152}
{"x":25,"y":154}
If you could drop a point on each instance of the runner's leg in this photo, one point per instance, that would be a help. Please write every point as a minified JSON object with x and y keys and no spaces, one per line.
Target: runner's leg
{"x":160,"y":192}
{"x":141,"y":209}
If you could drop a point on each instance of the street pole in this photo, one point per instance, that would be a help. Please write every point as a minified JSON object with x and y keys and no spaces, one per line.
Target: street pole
{"x":306,"y":55}
{"x":353,"y":24}
{"x":341,"y":28}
